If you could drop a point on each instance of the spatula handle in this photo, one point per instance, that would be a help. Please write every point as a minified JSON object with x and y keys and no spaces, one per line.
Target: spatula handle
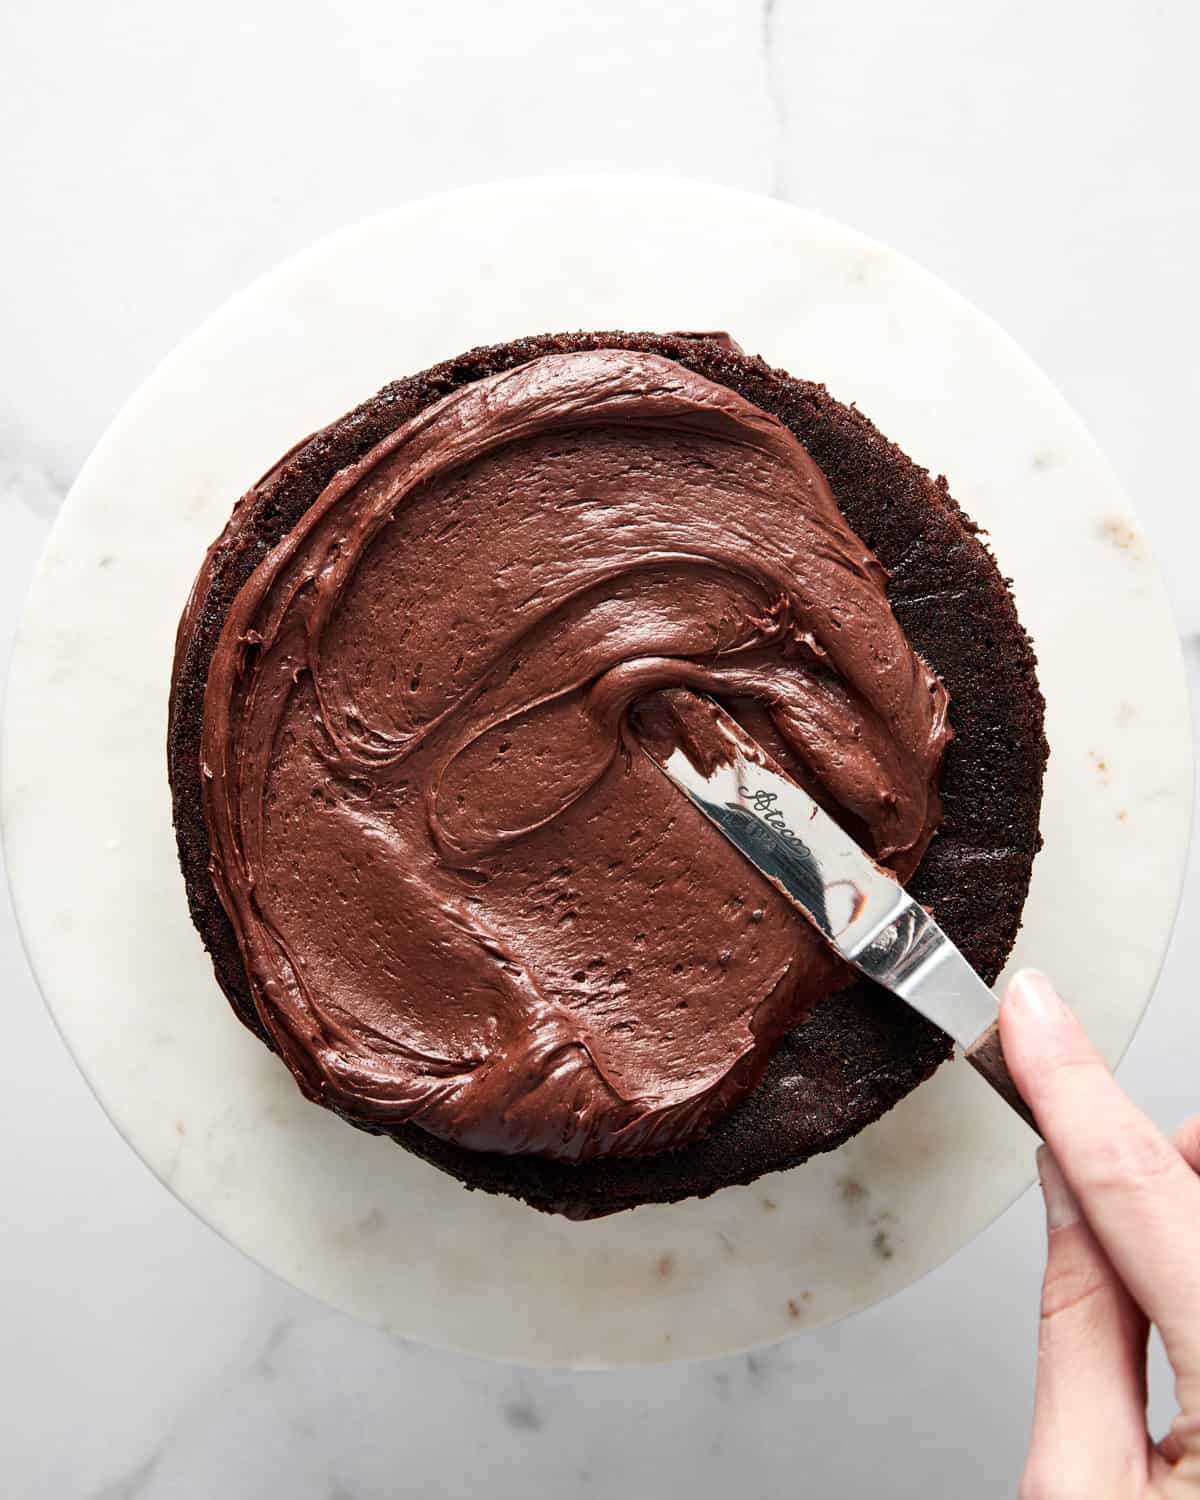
{"x":987,"y":1058}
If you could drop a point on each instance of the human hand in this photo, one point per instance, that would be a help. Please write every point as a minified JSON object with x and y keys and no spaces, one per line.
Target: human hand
{"x":1123,"y":1222}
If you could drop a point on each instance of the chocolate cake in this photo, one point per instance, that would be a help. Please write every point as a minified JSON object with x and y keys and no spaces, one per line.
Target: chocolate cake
{"x":431,"y":865}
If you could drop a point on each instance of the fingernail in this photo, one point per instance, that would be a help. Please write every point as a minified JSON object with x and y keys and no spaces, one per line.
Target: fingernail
{"x":1061,"y":1207}
{"x":1037,"y":997}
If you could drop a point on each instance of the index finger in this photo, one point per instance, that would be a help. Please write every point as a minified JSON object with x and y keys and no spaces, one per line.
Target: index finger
{"x":1140,"y":1198}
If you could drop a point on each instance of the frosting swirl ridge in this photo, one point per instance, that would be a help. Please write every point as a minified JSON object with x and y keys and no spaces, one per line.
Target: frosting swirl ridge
{"x":463,"y":896}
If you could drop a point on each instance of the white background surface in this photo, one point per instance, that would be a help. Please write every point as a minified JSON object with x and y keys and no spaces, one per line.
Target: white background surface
{"x":1037,"y":158}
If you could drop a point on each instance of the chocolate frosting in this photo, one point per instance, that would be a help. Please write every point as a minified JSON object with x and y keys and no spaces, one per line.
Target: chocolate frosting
{"x":463,"y":896}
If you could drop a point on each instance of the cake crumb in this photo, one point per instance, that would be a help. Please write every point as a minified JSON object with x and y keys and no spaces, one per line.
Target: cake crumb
{"x":664,"y":1267}
{"x":882,"y":1245}
{"x":1121,"y":534}
{"x":852,"y":1190}
{"x":769,"y":1205}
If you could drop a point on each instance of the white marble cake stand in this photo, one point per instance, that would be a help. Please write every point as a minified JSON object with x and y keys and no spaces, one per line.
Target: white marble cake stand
{"x":353,"y":1219}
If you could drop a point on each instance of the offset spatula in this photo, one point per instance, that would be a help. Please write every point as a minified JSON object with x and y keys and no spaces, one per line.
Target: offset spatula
{"x":861,"y":909}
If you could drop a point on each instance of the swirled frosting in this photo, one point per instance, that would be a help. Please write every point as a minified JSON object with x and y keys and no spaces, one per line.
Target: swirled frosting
{"x":462,"y":895}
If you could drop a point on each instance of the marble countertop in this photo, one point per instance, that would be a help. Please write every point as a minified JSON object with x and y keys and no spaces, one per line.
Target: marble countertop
{"x":155,"y":162}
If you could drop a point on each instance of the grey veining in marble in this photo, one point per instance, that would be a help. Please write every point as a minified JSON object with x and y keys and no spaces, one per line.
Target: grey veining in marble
{"x":777,"y":95}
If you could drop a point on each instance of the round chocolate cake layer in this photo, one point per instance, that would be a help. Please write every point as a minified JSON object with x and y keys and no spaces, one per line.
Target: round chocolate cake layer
{"x":860,"y":1051}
